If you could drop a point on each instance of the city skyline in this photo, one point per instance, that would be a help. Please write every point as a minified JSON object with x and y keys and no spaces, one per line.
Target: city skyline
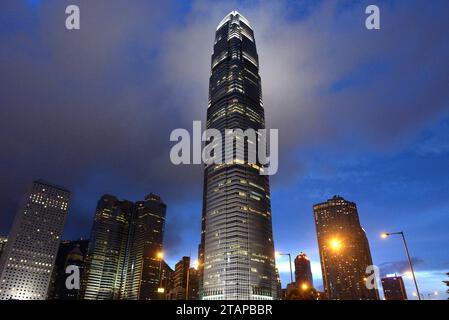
{"x":394,"y":168}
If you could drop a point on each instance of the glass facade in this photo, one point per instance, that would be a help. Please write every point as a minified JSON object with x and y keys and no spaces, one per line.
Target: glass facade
{"x":123,"y":258}
{"x":29,"y":256}
{"x":236,"y":254}
{"x":344,"y":250}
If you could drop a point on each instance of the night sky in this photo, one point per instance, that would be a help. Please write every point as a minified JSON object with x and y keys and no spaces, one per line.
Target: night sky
{"x":362,"y":114}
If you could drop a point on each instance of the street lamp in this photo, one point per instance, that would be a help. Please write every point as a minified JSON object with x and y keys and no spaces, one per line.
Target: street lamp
{"x":387,"y":234}
{"x":278,"y":254}
{"x":335,"y":244}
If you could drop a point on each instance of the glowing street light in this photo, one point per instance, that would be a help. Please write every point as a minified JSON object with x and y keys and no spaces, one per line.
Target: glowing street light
{"x":279,"y":254}
{"x":385,"y":235}
{"x":304,"y":286}
{"x":160,"y":255}
{"x":335,"y":244}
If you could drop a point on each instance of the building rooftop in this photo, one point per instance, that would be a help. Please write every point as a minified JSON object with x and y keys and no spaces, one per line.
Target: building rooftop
{"x":230,"y":16}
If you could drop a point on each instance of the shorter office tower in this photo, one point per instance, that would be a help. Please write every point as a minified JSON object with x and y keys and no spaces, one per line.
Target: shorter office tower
{"x":29,"y":256}
{"x":394,"y":288}
{"x":303,"y":272}
{"x":344,"y":250}
{"x":70,"y":253}
{"x":125,"y":256}
{"x":3,"y":241}
{"x":186,"y":282}
{"x":278,"y":284}
{"x":167,"y":281}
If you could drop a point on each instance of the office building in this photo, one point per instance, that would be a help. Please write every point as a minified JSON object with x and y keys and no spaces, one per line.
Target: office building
{"x":303,"y":272}
{"x":236,"y":254}
{"x":125,"y":253}
{"x":27,"y":261}
{"x":394,"y":288}
{"x":344,"y":250}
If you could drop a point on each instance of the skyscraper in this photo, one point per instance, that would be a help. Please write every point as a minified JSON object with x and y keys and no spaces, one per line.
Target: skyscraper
{"x":3,"y":241}
{"x":70,"y":253}
{"x":344,"y":250}
{"x":123,"y":258}
{"x":236,"y":254}
{"x":144,"y":267}
{"x":394,"y":288}
{"x":30,"y":253}
{"x":303,"y":272}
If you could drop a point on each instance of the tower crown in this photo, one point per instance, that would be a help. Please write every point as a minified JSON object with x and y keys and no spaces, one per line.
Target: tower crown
{"x":233,"y":15}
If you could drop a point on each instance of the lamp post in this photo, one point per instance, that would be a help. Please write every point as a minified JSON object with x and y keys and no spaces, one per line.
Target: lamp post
{"x":387,"y":234}
{"x":289,"y":263}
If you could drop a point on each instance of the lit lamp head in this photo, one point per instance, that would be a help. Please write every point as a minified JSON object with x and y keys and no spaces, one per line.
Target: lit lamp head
{"x":195,"y":264}
{"x":277,"y":254}
{"x":160,"y":255}
{"x":384,"y":235}
{"x":304,"y":286}
{"x":335,"y":244}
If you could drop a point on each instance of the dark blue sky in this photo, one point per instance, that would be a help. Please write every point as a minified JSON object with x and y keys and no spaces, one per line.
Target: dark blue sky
{"x":363,"y":114}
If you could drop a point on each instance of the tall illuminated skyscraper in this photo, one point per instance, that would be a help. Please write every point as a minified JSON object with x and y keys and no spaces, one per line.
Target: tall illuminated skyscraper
{"x":29,"y":256}
{"x":236,"y":254}
{"x":344,"y":250}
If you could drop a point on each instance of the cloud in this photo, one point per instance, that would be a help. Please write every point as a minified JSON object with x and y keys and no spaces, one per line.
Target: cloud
{"x":92,"y":110}
{"x":399,"y":267}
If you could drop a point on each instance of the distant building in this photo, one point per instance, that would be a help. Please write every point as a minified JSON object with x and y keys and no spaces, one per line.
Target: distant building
{"x":186,"y":282}
{"x":167,"y":279}
{"x":69,"y":253}
{"x":394,"y":288}
{"x":29,"y":256}
{"x":344,"y":250}
{"x":279,"y":284}
{"x":303,"y":272}
{"x":144,"y":267}
{"x":124,"y":259}
{"x":3,"y":241}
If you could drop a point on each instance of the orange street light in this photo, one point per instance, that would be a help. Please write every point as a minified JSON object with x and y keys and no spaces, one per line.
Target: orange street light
{"x":336,"y":244}
{"x":401,"y":233}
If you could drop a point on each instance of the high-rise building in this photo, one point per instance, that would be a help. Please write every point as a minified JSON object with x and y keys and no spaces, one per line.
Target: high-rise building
{"x":344,"y":250}
{"x":394,"y":288}
{"x":144,"y":266}
{"x":236,"y":255}
{"x":29,"y":256}
{"x":278,"y":284}
{"x":303,"y":272}
{"x":3,"y":241}
{"x":185,"y":282}
{"x":70,"y":253}
{"x":167,"y":279}
{"x":123,"y":260}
